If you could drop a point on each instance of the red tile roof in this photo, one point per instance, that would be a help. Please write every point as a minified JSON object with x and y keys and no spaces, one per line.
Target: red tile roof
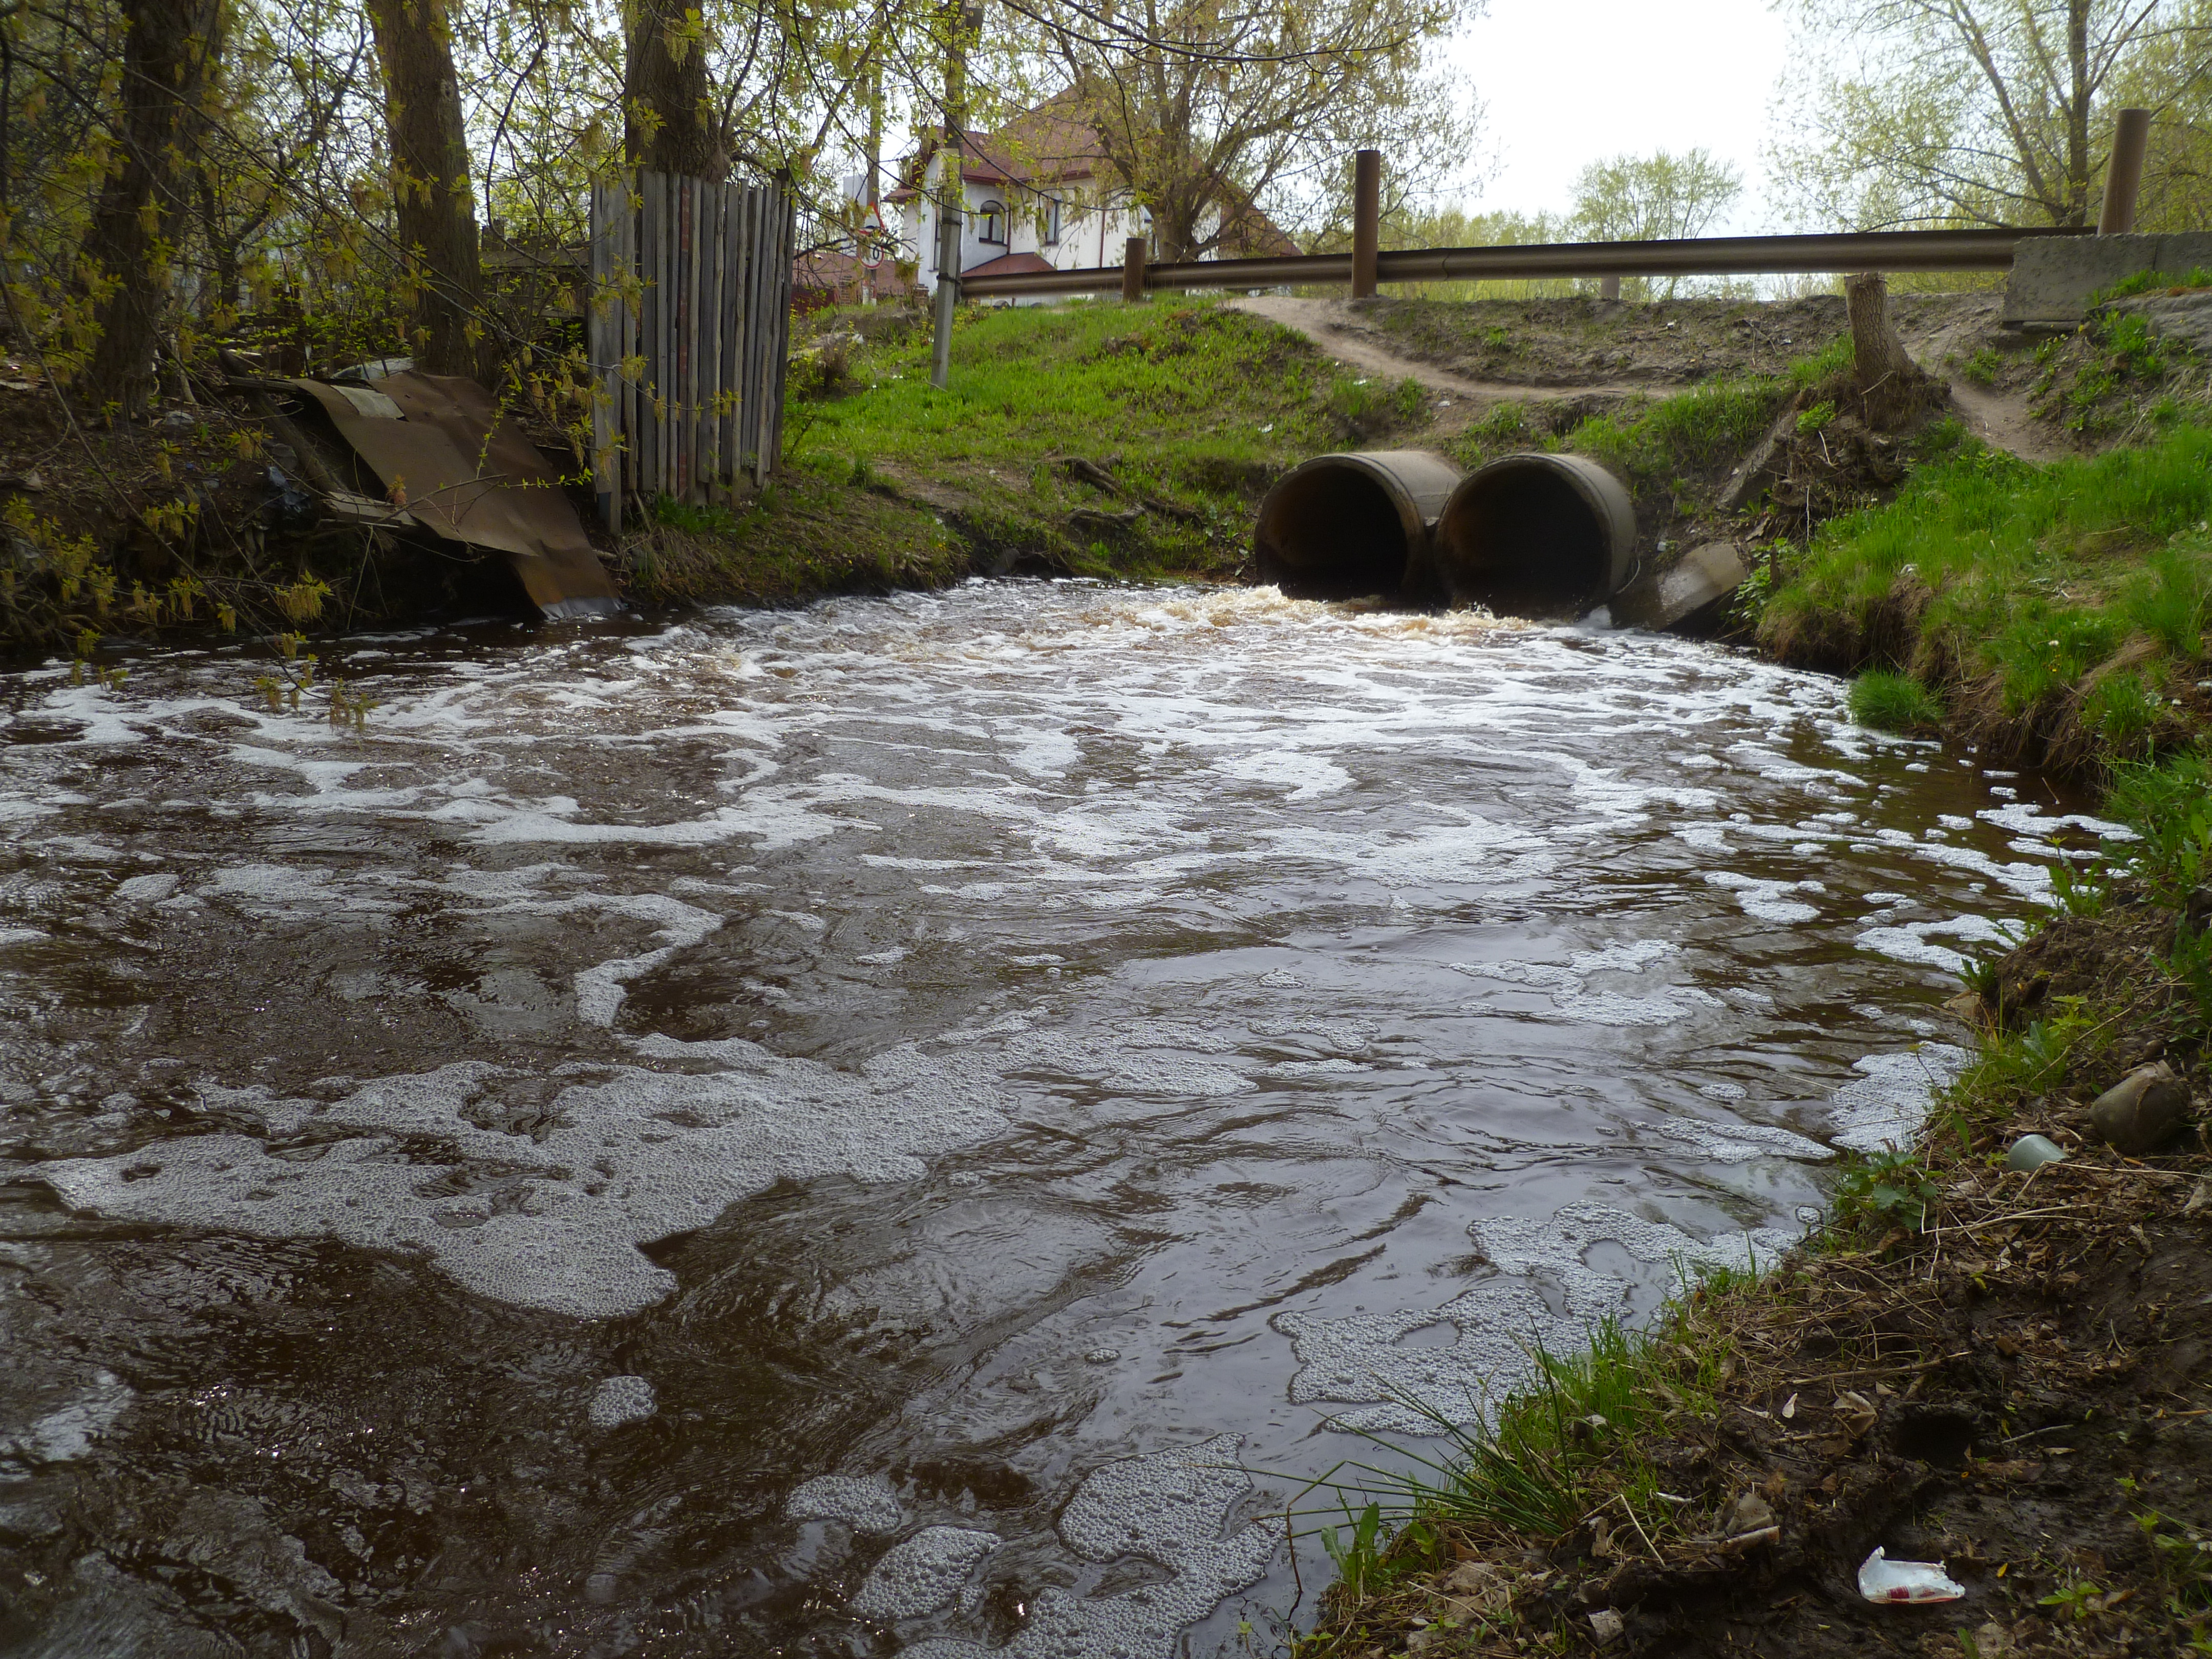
{"x":1009,"y":264}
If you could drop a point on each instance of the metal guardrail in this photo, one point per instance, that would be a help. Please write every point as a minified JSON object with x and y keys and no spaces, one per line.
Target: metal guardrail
{"x":1710,"y":256}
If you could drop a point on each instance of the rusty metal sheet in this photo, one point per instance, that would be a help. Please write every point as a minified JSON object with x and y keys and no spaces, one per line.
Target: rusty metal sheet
{"x":446,"y":454}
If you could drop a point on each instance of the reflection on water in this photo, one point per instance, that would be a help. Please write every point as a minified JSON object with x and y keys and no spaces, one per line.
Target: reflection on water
{"x":802,"y":1132}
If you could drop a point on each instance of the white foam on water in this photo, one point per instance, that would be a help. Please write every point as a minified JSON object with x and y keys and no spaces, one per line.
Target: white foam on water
{"x":68,"y":1432}
{"x":1741,"y":1142}
{"x":635,"y":1158}
{"x":1573,"y":1000}
{"x":146,"y":890}
{"x":621,"y":1400}
{"x":866,"y":1505}
{"x":1305,"y":777}
{"x":923,"y":1574}
{"x":1064,"y":778}
{"x":1765,"y":899}
{"x":1884,"y":1105}
{"x":1909,"y":941}
{"x":2026,"y":819}
{"x":1172,"y":1508}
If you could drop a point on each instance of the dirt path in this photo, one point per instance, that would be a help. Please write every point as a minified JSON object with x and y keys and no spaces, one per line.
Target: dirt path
{"x":1329,"y":324}
{"x":1999,"y":417}
{"x":2001,"y":420}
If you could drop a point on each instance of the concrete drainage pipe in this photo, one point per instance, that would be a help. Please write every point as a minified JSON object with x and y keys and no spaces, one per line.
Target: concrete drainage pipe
{"x":1535,"y":535}
{"x":1344,"y":526}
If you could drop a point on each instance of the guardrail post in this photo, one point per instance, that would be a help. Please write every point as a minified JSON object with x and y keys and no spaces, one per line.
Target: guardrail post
{"x":2123,"y":176}
{"x":1366,"y":221}
{"x":1608,"y":285}
{"x":1133,"y":270}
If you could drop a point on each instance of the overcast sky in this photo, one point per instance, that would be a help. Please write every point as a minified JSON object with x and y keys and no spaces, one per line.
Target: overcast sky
{"x":1566,"y":85}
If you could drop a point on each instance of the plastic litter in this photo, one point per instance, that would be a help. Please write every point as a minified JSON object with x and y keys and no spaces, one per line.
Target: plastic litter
{"x":2032,"y":1153}
{"x":285,"y":504}
{"x":1881,"y":1579}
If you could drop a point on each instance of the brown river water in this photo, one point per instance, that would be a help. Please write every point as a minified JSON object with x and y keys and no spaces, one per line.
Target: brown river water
{"x":906,"y":1126}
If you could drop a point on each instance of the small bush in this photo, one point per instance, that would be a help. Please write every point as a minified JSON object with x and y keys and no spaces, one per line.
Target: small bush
{"x":1815,"y":419}
{"x":1895,"y":703}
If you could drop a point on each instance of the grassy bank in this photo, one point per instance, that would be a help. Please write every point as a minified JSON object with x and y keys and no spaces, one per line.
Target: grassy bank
{"x":1132,"y":442}
{"x":1994,"y":1369}
{"x":2054,"y":615}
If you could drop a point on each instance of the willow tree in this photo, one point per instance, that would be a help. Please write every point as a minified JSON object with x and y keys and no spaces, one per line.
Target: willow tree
{"x":1211,"y":111}
{"x":671,"y":120}
{"x":1662,"y":196}
{"x":1968,"y":111}
{"x":169,"y":53}
{"x":434,"y":200}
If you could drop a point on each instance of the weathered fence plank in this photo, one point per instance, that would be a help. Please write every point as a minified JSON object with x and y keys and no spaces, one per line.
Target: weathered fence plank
{"x":692,"y":278}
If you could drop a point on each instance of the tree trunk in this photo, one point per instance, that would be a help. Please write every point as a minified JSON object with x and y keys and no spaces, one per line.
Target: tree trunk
{"x":430,"y":183}
{"x":671,"y":125}
{"x":168,"y":56}
{"x":1893,"y":388}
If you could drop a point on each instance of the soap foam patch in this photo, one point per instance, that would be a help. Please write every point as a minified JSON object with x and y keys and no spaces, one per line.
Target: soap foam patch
{"x":1173,"y":1508}
{"x":1909,"y":941}
{"x":1886,"y":1104}
{"x":553,"y":1222}
{"x":866,"y":1505}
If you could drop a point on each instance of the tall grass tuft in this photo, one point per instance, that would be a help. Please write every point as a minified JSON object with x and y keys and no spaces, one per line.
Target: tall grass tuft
{"x":1895,"y":703}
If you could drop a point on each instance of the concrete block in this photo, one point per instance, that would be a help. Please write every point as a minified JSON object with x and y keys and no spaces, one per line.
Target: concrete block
{"x":2053,"y":276}
{"x":1703,"y":576}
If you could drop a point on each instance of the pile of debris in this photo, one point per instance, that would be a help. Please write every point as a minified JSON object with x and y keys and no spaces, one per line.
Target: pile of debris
{"x":384,"y":446}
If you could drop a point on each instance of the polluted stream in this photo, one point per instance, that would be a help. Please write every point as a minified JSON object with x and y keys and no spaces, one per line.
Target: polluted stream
{"x":910,"y":1125}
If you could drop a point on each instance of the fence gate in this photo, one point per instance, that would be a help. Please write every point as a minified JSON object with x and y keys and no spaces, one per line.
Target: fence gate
{"x":691,"y":324}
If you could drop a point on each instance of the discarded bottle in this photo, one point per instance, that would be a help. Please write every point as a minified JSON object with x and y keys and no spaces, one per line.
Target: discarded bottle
{"x":2032,"y":1153}
{"x":1881,"y":1579}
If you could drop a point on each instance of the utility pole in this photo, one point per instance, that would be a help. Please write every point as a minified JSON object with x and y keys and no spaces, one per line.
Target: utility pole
{"x":951,"y":186}
{"x":871,"y":212}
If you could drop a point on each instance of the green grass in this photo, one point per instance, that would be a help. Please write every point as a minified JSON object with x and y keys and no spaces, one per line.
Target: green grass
{"x":2148,"y":281}
{"x":1694,"y":431}
{"x":1193,"y":405}
{"x":2038,"y":575}
{"x":1567,"y":1443}
{"x":1982,"y":369}
{"x":1895,"y":703}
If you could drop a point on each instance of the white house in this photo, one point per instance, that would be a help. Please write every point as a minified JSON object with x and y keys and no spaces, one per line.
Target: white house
{"x":1037,"y":196}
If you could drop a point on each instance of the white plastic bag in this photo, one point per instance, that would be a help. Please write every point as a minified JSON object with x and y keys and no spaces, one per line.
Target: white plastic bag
{"x":1881,"y":1579}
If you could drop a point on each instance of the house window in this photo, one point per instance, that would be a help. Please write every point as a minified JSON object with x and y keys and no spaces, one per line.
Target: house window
{"x":1048,"y":221}
{"x":992,"y":215}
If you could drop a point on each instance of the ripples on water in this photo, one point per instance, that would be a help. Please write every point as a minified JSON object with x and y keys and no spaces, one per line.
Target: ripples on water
{"x":750,"y":1135}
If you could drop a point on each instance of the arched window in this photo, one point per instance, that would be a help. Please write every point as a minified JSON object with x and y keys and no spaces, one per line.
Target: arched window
{"x":992,"y":216}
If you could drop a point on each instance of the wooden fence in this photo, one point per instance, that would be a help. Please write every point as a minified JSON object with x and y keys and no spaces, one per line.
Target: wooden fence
{"x":689,"y":328}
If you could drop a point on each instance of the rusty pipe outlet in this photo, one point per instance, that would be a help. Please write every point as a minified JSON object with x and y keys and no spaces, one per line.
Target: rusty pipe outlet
{"x":1534,"y":535}
{"x":1345,"y":526}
